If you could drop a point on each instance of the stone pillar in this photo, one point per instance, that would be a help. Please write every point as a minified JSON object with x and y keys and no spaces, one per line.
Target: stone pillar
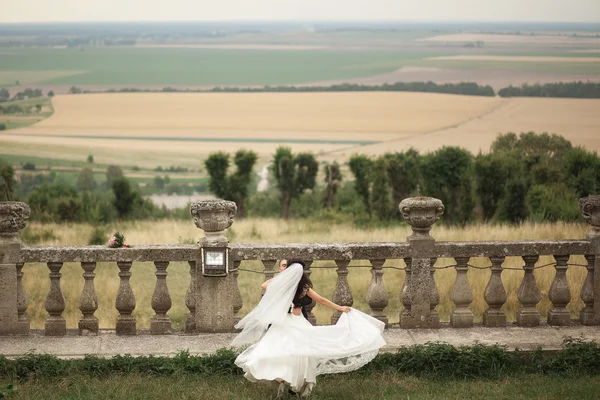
{"x":586,"y":316}
{"x":24,"y":323}
{"x":214,"y":295}
{"x":590,"y":209}
{"x":190,"y":300}
{"x":377,"y":296}
{"x":342,"y":295}
{"x":529,"y":295}
{"x":161,"y":301}
{"x":559,"y":294}
{"x":495,"y":296}
{"x":88,"y":303}
{"x":311,"y":317}
{"x":55,"y":303}
{"x":238,"y":300}
{"x":125,"y":302}
{"x":462,"y":295}
{"x":13,"y":217}
{"x":404,"y":293}
{"x":421,"y":213}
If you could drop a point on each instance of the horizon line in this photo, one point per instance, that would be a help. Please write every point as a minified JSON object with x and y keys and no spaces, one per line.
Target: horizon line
{"x":302,"y":21}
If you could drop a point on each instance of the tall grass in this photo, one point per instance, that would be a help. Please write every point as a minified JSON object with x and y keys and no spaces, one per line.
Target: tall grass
{"x":37,"y":283}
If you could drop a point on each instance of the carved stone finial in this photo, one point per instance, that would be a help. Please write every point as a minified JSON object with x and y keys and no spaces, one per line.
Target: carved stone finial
{"x":590,"y":209}
{"x":13,"y":218}
{"x":421,"y":213}
{"x":213,"y":216}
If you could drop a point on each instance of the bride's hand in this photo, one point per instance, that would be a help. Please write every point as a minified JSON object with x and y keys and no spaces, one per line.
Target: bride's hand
{"x":345,"y":309}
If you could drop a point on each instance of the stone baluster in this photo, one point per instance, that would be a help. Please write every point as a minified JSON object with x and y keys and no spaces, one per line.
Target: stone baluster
{"x":590,"y":210}
{"x":55,"y":303}
{"x":495,"y":296}
{"x":405,"y":292}
{"x":125,"y":303}
{"x":462,"y":295}
{"x":529,"y":295}
{"x":13,"y":302}
{"x":421,"y":213}
{"x":377,"y":296}
{"x":586,"y":316}
{"x":88,"y":302}
{"x":269,"y":270}
{"x":238,"y":301}
{"x":24,"y":324}
{"x":434,"y":295}
{"x":161,"y":301}
{"x":559,"y":294}
{"x":311,"y":317}
{"x":190,"y":300}
{"x":342,"y":295}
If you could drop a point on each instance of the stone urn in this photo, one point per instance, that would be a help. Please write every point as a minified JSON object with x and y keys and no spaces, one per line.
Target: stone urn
{"x":421,"y":213}
{"x":590,"y":209}
{"x":213,"y":217}
{"x":13,"y":218}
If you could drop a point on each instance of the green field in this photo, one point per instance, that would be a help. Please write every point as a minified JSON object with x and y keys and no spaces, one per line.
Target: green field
{"x":177,"y":66}
{"x":132,"y":66}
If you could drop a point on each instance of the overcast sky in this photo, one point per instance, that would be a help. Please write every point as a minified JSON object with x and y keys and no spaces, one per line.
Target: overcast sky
{"x":299,"y":10}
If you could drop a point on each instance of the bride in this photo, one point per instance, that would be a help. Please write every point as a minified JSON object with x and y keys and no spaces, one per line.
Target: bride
{"x":287,"y":349}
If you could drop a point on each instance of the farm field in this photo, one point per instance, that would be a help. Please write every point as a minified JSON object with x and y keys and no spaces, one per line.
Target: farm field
{"x":151,"y":129}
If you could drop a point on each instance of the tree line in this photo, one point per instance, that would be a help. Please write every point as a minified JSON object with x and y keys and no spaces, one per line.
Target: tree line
{"x":560,"y":89}
{"x":532,"y":176}
{"x":583,"y":90}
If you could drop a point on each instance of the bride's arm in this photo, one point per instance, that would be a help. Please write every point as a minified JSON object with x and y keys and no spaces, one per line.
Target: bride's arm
{"x":264,"y":285}
{"x":322,"y":300}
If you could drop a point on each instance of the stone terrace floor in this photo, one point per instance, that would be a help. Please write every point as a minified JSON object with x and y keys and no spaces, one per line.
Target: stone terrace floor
{"x":107,"y":344}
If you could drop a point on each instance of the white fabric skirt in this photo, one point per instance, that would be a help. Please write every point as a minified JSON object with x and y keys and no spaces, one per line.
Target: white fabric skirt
{"x":295,"y":352}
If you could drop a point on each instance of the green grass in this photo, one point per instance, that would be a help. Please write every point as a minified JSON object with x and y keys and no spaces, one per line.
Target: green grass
{"x":335,"y":387}
{"x":172,"y":66}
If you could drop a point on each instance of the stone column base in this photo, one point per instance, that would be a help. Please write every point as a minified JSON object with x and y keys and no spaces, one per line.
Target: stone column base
{"x":23,"y":326}
{"x":160,"y":325}
{"x":461,"y":319}
{"x":528,"y":318}
{"x":410,"y":322}
{"x":190,"y":323}
{"x":56,"y":326}
{"x":494,"y":317}
{"x":126,"y":326}
{"x":587,"y":317}
{"x":88,"y":326}
{"x":559,"y":317}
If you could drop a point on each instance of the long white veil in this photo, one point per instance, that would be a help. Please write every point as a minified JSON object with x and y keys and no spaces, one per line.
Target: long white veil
{"x":272,"y":308}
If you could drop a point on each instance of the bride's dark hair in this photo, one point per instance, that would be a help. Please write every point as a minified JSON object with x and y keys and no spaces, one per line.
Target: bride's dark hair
{"x":304,"y":283}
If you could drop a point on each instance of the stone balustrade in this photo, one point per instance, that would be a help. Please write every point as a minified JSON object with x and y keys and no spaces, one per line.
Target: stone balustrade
{"x":214,"y":302}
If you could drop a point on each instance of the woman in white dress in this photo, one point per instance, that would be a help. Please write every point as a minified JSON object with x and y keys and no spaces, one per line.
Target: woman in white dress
{"x":286,"y":348}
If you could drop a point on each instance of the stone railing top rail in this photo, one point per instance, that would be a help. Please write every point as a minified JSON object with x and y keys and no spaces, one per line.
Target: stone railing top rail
{"x":305,"y":251}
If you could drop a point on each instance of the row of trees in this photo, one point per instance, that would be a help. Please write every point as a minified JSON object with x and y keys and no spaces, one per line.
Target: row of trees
{"x":22,"y":95}
{"x":583,"y":90}
{"x":54,"y":200}
{"x":559,"y":89}
{"x":531,"y":176}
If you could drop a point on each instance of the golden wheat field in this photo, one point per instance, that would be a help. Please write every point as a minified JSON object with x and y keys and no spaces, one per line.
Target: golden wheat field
{"x":150,"y":129}
{"x":36,"y":279}
{"x":578,"y":120}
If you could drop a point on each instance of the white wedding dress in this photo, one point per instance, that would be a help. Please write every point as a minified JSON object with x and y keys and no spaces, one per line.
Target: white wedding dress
{"x":286,"y":348}
{"x":295,"y":351}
